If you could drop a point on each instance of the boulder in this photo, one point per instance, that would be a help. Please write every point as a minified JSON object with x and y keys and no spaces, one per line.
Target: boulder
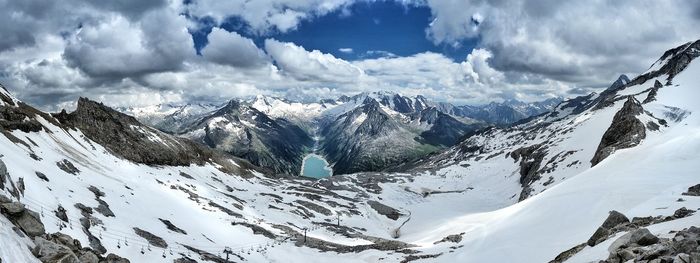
{"x":65,"y":240}
{"x":50,"y":252}
{"x":87,"y":256}
{"x":30,"y":223}
{"x":112,"y":258}
{"x":643,"y":237}
{"x":614,"y":219}
{"x":14,"y":208}
{"x":61,"y":214}
{"x":4,"y":199}
{"x":682,"y":212}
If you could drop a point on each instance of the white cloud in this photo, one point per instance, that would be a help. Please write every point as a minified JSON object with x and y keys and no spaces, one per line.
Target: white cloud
{"x":117,"y":48}
{"x":230,"y":48}
{"x":585,"y":43}
{"x":311,"y":65}
{"x":127,"y":51}
{"x":346,"y":50}
{"x":263,"y":16}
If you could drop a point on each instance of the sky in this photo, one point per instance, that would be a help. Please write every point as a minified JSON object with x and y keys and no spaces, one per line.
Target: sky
{"x":146,"y":52}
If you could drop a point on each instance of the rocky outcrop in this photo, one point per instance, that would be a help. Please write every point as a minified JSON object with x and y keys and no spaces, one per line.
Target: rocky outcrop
{"x":28,"y":221}
{"x":625,"y":131}
{"x":61,"y":248}
{"x":642,"y":246}
{"x":151,"y":238}
{"x":530,"y":161}
{"x":615,"y":219}
{"x":51,"y":248}
{"x":385,"y":210}
{"x":3,"y":174}
{"x":172,"y":227}
{"x":693,"y":190}
{"x":124,"y":136}
{"x":653,"y":92}
{"x":456,"y":238}
{"x":68,"y":167}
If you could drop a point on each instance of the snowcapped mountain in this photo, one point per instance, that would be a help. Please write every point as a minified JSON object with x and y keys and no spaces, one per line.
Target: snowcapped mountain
{"x":505,"y":113}
{"x":170,"y":117}
{"x":243,"y":131}
{"x":608,"y":177}
{"x":421,"y":126}
{"x":374,"y":135}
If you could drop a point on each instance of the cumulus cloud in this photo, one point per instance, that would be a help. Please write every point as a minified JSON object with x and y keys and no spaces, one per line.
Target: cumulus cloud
{"x":117,"y":47}
{"x":263,"y":16}
{"x":128,"y":51}
{"x":311,"y":65}
{"x":583,"y":43}
{"x":230,"y":48}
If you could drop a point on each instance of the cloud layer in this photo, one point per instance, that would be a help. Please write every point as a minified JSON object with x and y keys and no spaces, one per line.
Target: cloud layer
{"x":132,"y":52}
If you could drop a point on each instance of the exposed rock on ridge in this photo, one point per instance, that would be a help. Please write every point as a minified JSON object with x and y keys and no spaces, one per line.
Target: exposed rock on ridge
{"x":625,"y":131}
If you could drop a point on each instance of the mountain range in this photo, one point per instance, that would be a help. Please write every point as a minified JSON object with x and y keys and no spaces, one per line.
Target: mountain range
{"x":607,"y":177}
{"x":366,"y":132}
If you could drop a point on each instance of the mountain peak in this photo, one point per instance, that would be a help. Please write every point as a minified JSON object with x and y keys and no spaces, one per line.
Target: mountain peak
{"x":6,"y":97}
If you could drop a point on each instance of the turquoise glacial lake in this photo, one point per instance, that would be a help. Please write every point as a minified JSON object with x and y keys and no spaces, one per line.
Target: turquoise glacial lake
{"x":316,"y":167}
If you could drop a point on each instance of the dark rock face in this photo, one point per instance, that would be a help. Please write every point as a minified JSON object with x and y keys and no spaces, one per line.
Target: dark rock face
{"x":385,"y":210}
{"x":692,"y":191}
{"x":22,"y":117}
{"x":276,"y":144}
{"x":68,"y":167}
{"x":614,"y":220}
{"x":172,"y":227}
{"x":151,"y":238}
{"x":446,"y":130}
{"x":371,"y":137}
{"x":3,"y":174}
{"x":42,"y":176}
{"x":625,"y":131}
{"x":349,"y":145}
{"x":530,"y":161}
{"x":126,"y":137}
{"x":653,"y":92}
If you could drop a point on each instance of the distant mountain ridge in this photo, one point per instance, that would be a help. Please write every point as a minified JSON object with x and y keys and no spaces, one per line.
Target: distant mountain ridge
{"x":369,"y":131}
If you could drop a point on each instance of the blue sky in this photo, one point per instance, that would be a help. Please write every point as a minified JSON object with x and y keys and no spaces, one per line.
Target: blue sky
{"x":364,"y":27}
